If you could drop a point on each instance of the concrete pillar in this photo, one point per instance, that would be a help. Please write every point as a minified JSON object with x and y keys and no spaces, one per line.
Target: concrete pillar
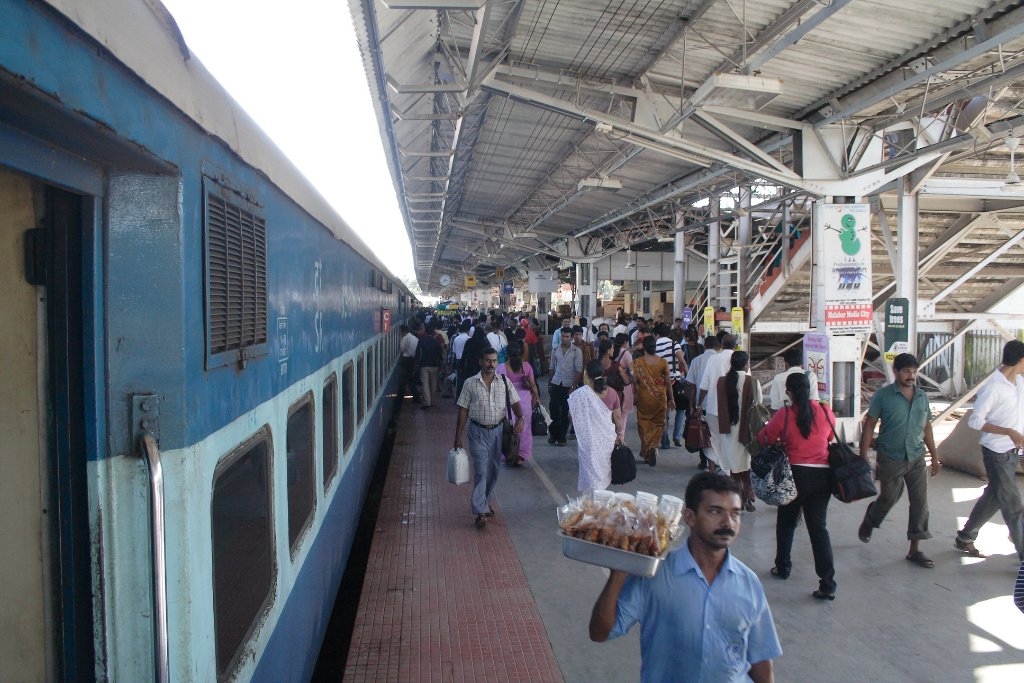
{"x":743,"y":238}
{"x":817,"y":271}
{"x":586,"y":290}
{"x":679,"y":272}
{"x":906,"y":241}
{"x":714,"y":252}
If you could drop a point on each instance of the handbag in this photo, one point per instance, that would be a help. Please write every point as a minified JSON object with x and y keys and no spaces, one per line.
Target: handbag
{"x":851,"y":474}
{"x":771,"y":476}
{"x":623,"y":465}
{"x":697,"y":434}
{"x":538,"y":425}
{"x":509,"y":438}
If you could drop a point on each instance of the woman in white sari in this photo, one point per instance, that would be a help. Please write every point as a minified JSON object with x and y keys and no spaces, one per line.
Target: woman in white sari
{"x":596,"y":416}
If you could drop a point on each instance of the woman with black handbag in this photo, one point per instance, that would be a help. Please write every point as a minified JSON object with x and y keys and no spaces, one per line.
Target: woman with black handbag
{"x":521,"y":376}
{"x":595,"y":414}
{"x":807,"y":449}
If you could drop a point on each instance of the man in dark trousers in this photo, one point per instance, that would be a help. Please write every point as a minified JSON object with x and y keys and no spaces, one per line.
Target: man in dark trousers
{"x":566,"y":375}
{"x":905,"y":432}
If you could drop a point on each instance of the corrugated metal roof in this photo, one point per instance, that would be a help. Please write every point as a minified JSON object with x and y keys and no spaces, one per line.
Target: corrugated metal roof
{"x":609,"y":118}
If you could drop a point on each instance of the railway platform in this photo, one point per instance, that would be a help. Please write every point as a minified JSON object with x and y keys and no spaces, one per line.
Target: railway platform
{"x":443,"y":601}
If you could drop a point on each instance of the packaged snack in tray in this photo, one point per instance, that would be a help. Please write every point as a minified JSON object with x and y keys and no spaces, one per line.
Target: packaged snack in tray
{"x":620,"y":520}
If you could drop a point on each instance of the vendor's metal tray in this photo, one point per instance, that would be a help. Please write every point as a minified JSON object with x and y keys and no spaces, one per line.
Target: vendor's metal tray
{"x":614,"y":558}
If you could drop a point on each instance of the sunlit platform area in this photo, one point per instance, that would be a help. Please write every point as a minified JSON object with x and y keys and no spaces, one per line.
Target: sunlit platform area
{"x":443,"y":601}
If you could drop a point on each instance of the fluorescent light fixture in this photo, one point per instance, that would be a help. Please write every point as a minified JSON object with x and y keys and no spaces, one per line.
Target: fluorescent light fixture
{"x":737,"y":90}
{"x":1013,"y":182}
{"x":603,"y":184}
{"x":526,"y":234}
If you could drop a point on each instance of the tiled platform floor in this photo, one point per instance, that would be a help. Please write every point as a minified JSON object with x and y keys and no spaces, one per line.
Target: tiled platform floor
{"x":442,"y":600}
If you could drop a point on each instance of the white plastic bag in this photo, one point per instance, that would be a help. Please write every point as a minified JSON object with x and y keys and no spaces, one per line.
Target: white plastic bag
{"x":458,"y":466}
{"x":546,"y":414}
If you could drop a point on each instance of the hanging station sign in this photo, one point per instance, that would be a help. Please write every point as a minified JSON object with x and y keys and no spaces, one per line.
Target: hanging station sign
{"x":897,"y":330}
{"x":471,"y":280}
{"x":846,"y":265}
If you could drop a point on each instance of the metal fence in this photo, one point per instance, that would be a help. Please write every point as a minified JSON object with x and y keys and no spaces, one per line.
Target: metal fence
{"x":983,"y":350}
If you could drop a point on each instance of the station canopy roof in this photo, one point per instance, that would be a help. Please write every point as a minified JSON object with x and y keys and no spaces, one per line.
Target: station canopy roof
{"x":525,"y":133}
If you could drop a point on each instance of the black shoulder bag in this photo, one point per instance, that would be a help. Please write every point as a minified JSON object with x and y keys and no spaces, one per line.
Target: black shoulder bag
{"x":509,"y":438}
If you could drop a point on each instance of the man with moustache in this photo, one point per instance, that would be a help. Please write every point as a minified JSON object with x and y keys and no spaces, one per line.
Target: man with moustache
{"x":704,"y":615}
{"x":484,"y":404}
{"x":905,"y":432}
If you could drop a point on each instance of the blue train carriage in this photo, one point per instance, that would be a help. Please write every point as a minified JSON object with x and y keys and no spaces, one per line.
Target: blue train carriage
{"x":168,"y":274}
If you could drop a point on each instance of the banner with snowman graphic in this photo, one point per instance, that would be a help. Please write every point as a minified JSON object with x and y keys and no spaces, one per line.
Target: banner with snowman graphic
{"x":846,"y":265}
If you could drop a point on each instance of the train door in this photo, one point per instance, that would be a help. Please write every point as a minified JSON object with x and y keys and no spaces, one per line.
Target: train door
{"x":46,"y":626}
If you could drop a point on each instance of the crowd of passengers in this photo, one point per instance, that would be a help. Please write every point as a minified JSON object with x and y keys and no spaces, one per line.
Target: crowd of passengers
{"x":600,"y":371}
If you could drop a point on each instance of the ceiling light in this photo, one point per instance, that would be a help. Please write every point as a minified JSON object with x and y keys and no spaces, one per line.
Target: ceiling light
{"x":526,"y":234}
{"x":1013,"y":182}
{"x":598,"y":183}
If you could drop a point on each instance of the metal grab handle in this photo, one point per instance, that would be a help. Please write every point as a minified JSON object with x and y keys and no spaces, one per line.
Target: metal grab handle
{"x":151,"y":454}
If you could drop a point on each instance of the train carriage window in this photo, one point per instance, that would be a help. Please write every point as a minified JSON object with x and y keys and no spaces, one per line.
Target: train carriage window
{"x":236,"y":276}
{"x":371,"y":384}
{"x":329,"y":435}
{"x":242,"y":529}
{"x":301,"y":492}
{"x":348,"y":409}
{"x":361,"y":389}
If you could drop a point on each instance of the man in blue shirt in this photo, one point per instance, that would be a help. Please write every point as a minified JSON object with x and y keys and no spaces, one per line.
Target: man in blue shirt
{"x":703,"y":617}
{"x":906,"y":430}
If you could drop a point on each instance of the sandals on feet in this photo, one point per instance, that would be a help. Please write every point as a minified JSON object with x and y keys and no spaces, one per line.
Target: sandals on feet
{"x":967,"y":548}
{"x":920,"y":560}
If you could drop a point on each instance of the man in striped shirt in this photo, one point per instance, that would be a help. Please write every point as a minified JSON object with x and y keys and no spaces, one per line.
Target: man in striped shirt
{"x":672,"y":352}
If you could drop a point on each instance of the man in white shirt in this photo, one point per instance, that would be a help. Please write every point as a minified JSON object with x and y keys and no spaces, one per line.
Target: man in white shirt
{"x":718,"y":366}
{"x":566,"y":328}
{"x":694,"y":377}
{"x":794,"y":359}
{"x":407,"y":361}
{"x":458,"y":346}
{"x":999,"y":416}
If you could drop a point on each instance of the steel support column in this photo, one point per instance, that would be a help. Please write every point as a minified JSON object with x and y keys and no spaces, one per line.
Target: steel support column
{"x":586,"y":290}
{"x":906,"y":240}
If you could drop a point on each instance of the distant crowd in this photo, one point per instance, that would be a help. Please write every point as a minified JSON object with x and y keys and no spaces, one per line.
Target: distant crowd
{"x":699,"y":392}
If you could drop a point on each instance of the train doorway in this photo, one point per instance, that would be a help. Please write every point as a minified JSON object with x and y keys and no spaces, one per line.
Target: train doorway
{"x":46,"y":620}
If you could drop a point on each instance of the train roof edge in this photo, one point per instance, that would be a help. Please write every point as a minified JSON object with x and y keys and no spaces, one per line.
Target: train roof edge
{"x":143,"y":36}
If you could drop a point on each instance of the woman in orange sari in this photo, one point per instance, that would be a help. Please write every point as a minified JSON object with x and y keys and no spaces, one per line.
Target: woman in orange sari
{"x":652,"y":399}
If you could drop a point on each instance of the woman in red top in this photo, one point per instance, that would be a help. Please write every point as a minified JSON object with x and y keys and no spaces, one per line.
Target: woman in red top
{"x":804,"y":428}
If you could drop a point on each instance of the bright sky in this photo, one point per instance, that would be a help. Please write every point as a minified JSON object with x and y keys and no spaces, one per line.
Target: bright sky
{"x":295,"y":68}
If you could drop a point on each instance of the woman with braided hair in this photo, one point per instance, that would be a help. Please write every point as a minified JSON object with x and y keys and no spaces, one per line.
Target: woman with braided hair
{"x":737,"y":391}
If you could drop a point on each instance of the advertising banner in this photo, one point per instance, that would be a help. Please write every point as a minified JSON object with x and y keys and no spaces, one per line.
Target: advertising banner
{"x":471,"y":280}
{"x":737,"y":326}
{"x":816,"y":360}
{"x":846,"y":265}
{"x":897,"y":334}
{"x":687,"y":317}
{"x":709,"y":321}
